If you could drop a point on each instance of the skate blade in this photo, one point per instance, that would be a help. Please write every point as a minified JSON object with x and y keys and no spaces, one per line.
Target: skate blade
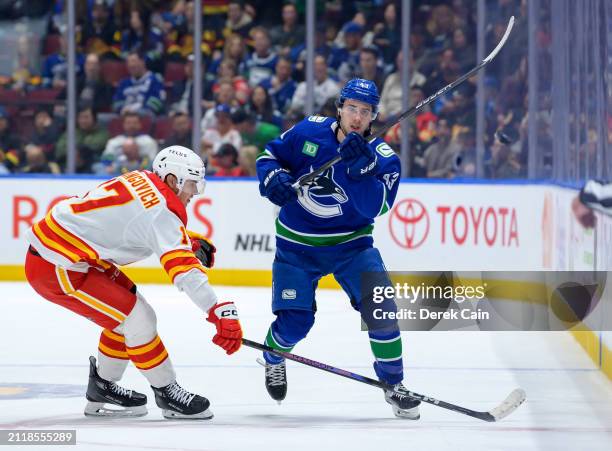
{"x":172,"y":415}
{"x":407,"y":414}
{"x":100,"y":409}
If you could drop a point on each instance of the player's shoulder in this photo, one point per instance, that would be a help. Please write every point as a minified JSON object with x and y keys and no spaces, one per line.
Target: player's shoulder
{"x":173,"y":204}
{"x":313,"y":125}
{"x":384,"y":150}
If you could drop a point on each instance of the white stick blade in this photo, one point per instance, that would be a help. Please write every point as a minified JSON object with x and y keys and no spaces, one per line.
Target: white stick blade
{"x":501,"y":43}
{"x":510,"y":404}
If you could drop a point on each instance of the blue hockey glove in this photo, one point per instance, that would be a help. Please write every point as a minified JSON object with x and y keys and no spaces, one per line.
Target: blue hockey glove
{"x":276,"y":186}
{"x":359,"y":157}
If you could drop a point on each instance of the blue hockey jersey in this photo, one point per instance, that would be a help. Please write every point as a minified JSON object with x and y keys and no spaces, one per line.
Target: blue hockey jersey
{"x":335,"y":211}
{"x":143,"y":95}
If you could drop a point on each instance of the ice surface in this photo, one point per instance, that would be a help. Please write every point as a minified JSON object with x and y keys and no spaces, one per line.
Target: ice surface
{"x":43,"y":373}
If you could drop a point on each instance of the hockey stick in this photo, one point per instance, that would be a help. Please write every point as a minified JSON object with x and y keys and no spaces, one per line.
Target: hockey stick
{"x":308,"y":178}
{"x":508,"y":405}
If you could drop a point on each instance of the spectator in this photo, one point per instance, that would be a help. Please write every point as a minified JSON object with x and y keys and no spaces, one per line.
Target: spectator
{"x":225,"y":96}
{"x":440,"y":28}
{"x":368,"y":66}
{"x":36,"y":162}
{"x":130,"y":159}
{"x":234,"y":49}
{"x":247,"y":160}
{"x":10,"y":145}
{"x":55,"y":67}
{"x":260,"y":64}
{"x":100,"y":36}
{"x":90,"y":141}
{"x":290,"y":33}
{"x":92,"y":90}
{"x":298,"y":53}
{"x":181,"y":131}
{"x":238,"y":21}
{"x":227,"y":72}
{"x":260,"y":104}
{"x":182,"y":90}
{"x":46,"y":133}
{"x":345,"y":60}
{"x":281,"y":86}
{"x":441,"y":156}
{"x":254,"y":133}
{"x":224,"y":132}
{"x":143,"y":92}
{"x":132,"y":128}
{"x":391,"y":97}
{"x":292,"y":117}
{"x":387,"y":35}
{"x":464,"y":52}
{"x":225,"y":161}
{"x":503,"y":163}
{"x":141,"y":36}
{"x":324,"y":88}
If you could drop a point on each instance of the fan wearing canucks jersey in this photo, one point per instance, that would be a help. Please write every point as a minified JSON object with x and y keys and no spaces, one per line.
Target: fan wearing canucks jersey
{"x":326,"y":228}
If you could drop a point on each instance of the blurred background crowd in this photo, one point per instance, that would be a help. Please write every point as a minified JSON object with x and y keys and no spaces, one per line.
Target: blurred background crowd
{"x":135,"y":79}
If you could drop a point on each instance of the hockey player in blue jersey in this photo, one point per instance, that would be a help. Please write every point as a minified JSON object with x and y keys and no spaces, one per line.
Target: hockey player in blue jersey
{"x":327,"y":229}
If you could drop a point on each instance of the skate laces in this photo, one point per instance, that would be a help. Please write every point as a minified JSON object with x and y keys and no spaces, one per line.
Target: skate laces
{"x":276,"y":373}
{"x":118,"y":389}
{"x":178,"y":393}
{"x":399,"y":391}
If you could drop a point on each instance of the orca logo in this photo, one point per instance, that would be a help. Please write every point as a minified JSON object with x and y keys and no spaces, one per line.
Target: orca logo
{"x":315,"y":197}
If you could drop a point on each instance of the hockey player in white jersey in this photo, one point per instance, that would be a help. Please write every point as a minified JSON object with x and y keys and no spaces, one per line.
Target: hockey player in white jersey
{"x":71,"y":262}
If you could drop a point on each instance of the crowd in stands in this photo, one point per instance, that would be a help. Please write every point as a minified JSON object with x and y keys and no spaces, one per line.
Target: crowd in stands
{"x":134,"y":82}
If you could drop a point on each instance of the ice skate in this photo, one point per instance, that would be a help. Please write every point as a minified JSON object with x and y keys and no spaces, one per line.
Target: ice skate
{"x":177,"y":403}
{"x":103,"y":394}
{"x":276,"y":379}
{"x":403,"y":405}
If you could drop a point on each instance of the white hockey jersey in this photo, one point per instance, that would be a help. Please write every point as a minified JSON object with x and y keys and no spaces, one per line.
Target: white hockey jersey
{"x":124,"y":220}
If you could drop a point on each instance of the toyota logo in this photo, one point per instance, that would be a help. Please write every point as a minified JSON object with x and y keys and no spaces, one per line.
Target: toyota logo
{"x":409,"y":223}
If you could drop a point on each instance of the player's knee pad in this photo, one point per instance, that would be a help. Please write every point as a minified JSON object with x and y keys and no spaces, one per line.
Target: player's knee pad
{"x":292,"y":325}
{"x":140,"y":326}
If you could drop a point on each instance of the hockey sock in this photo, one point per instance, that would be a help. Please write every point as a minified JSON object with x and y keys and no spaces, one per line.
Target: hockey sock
{"x":387,"y":350}
{"x":274,"y":341}
{"x":112,"y":355}
{"x":152,"y":360}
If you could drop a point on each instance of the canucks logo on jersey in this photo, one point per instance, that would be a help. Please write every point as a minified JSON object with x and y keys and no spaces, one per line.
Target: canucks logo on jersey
{"x":323,"y":197}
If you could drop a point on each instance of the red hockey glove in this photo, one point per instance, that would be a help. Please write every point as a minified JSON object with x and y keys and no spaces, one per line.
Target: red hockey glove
{"x":229,"y":333}
{"x":203,"y":249}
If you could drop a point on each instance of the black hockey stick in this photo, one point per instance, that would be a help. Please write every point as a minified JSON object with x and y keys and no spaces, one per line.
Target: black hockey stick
{"x":508,"y":405}
{"x":308,"y":178}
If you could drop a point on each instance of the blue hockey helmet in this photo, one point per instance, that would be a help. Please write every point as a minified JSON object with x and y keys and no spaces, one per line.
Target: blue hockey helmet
{"x":362,"y":90}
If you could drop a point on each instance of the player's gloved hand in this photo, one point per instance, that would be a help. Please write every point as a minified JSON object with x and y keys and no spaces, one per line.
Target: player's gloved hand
{"x":276,"y":186}
{"x":229,"y":332}
{"x":203,"y":249}
{"x":359,"y":157}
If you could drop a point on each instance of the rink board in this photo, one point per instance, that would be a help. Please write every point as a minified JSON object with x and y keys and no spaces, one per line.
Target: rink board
{"x":433,"y":226}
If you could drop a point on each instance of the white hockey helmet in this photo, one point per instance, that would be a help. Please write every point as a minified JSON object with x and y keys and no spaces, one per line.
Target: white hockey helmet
{"x":183,"y":163}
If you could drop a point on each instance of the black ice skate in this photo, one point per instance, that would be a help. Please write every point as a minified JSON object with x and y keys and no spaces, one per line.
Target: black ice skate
{"x":276,"y":379}
{"x":101,"y":392}
{"x":403,"y":405}
{"x":177,"y":403}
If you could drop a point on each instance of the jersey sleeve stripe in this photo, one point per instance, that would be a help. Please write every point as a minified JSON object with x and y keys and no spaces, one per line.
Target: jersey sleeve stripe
{"x":175,"y":254}
{"x":174,"y":272}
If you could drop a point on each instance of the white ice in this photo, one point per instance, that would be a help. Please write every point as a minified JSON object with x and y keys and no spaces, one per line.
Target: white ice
{"x":569,"y":402}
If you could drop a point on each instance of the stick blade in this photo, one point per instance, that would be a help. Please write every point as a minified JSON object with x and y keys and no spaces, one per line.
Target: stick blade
{"x":508,"y":405}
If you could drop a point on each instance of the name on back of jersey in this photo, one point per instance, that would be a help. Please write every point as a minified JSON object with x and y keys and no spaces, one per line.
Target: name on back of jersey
{"x":147,"y":195}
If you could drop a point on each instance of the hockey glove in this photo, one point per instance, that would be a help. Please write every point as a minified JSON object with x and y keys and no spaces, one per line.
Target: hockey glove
{"x":276,"y":186}
{"x":229,"y":332}
{"x":203,"y":249}
{"x":359,"y":157}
